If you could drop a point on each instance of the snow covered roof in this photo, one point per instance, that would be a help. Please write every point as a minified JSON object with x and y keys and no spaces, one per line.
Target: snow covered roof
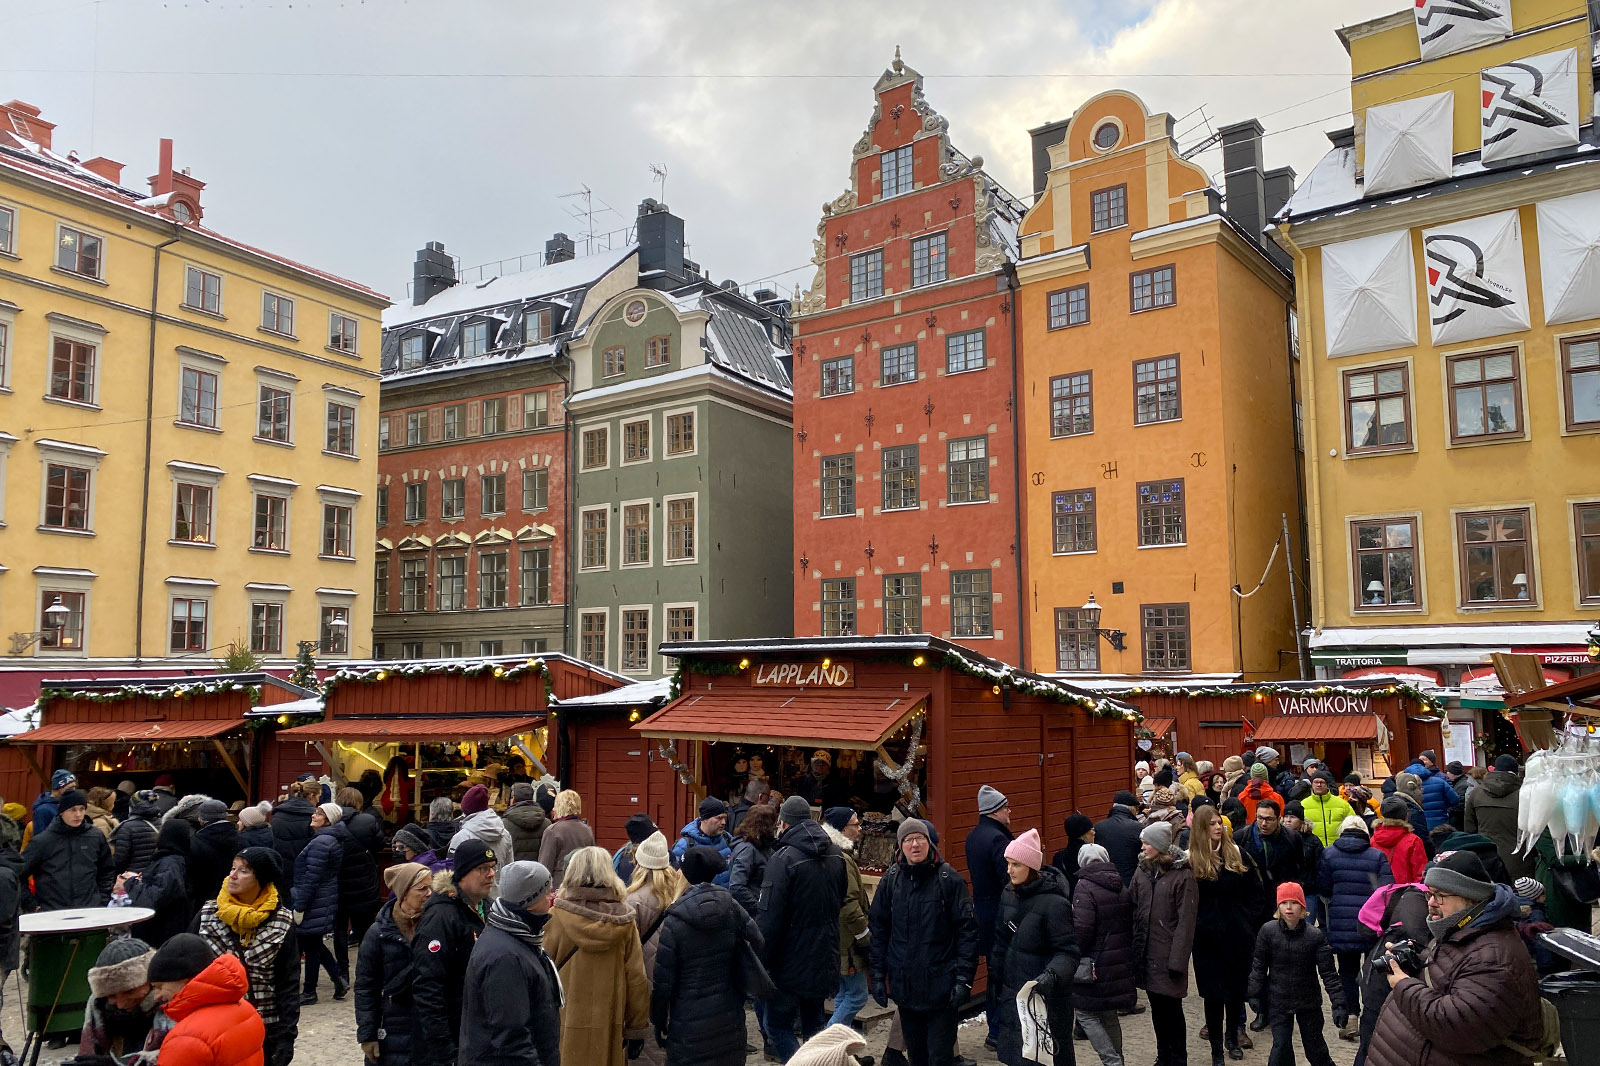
{"x":636,"y":693}
{"x":498,"y":358}
{"x":547,"y":281}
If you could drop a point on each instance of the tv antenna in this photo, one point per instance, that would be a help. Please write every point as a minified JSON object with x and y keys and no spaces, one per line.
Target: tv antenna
{"x":585,"y":213}
{"x":658,"y":174}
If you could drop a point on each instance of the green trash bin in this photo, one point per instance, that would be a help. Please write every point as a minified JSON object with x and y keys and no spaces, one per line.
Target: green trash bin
{"x":1576,"y":995}
{"x":58,"y":981}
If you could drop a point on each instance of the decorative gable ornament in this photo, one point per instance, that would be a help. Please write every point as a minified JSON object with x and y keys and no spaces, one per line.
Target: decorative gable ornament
{"x":1408,"y":143}
{"x":1369,"y":294}
{"x":1445,"y":27}
{"x":1569,"y":257}
{"x":1476,"y":284}
{"x":1530,"y":106}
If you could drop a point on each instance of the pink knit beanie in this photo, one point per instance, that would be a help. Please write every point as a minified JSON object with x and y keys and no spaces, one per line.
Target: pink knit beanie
{"x":1027,"y":850}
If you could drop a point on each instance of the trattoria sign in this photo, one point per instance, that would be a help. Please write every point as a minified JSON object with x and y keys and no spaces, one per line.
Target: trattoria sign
{"x":1335,"y":704}
{"x":800,"y":675}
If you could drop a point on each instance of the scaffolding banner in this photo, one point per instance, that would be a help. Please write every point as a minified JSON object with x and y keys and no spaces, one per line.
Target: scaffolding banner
{"x":1408,"y":143}
{"x":1530,"y":106}
{"x":1476,"y":283}
{"x":1569,"y":257}
{"x":1448,"y":26}
{"x":1369,"y":294}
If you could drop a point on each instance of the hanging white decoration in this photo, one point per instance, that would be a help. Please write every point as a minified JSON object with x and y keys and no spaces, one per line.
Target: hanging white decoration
{"x":1530,"y":106}
{"x":1448,"y":26}
{"x":1476,"y":283}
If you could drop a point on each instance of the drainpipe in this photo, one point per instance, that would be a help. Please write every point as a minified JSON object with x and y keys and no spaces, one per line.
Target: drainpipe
{"x":1013,"y":292}
{"x":569,"y":580}
{"x":149,"y":430}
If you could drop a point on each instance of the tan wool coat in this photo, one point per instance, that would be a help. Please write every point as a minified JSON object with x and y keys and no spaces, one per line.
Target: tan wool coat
{"x":595,"y":945}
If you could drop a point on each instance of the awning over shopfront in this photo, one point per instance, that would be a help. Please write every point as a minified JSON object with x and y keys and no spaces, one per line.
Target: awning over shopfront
{"x":1159,"y":727}
{"x":128,"y":732}
{"x":443,"y":729}
{"x":855,"y":718}
{"x":1361,"y":728}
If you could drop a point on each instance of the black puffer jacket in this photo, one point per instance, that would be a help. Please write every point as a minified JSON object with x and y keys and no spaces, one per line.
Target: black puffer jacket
{"x":1102,"y":915}
{"x":316,"y":880}
{"x":1278,"y":857}
{"x":1284,"y":970}
{"x":440,"y":951}
{"x":692,"y":1001}
{"x":747,"y":870}
{"x":511,"y":1000}
{"x":133,"y":843}
{"x":441,"y":833}
{"x":360,"y":887}
{"x":801,"y":896}
{"x":291,"y":828}
{"x":257,"y":836}
{"x":526,"y":822}
{"x":924,"y":936}
{"x":164,"y":887}
{"x":70,"y":867}
{"x":1229,"y":911}
{"x":383,"y":990}
{"x":366,"y":828}
{"x":1118,"y":833}
{"x":211,"y":855}
{"x":1033,"y":936}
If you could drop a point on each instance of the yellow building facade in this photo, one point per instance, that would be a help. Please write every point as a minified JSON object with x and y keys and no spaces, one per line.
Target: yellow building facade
{"x":188,"y":425}
{"x":1449,"y":312}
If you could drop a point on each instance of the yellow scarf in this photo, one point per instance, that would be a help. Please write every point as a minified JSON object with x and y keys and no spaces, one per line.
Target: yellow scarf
{"x":242,"y":917}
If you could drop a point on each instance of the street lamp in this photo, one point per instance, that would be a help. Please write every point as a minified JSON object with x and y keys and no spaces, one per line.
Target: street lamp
{"x":1091,"y":614}
{"x":55,"y":620}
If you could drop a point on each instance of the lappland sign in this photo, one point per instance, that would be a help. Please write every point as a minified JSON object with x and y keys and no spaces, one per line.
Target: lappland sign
{"x":826,"y":674}
{"x":1333,"y":704}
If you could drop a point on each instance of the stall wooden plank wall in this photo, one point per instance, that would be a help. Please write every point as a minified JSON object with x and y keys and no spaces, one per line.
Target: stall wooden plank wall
{"x":18,"y":782}
{"x":610,"y":766}
{"x":280,"y":761}
{"x":1211,"y":743}
{"x":436,"y":694}
{"x":139,"y":709}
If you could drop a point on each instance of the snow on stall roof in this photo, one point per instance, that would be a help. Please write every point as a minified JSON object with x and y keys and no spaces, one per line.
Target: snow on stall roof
{"x":19,"y":721}
{"x":1498,"y":636}
{"x":510,"y":288}
{"x":638,"y":692}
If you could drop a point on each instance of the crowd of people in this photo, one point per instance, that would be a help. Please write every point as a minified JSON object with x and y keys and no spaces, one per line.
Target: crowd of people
{"x":1285,"y":898}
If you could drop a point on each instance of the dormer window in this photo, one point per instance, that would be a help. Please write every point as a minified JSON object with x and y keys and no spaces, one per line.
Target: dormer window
{"x":474,"y":339}
{"x":895,"y":168}
{"x":413,"y":351}
{"x":535,"y":326}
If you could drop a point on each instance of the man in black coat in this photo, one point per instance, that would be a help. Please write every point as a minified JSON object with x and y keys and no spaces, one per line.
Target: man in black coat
{"x":986,"y":865}
{"x":511,"y":1006}
{"x":1118,"y":833}
{"x":70,"y":862}
{"x":441,"y":950}
{"x":1276,"y":849}
{"x":801,"y":896}
{"x":211,"y":851}
{"x":133,"y":842}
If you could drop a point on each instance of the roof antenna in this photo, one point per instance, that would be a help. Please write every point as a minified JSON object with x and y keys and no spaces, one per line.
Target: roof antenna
{"x":658,"y":174}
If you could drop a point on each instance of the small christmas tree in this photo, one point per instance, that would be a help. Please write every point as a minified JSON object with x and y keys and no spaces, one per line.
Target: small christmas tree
{"x":239,"y":660}
{"x":305,"y":668}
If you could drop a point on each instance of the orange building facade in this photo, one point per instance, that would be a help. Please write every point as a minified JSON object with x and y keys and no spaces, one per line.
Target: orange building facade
{"x":1159,"y":447}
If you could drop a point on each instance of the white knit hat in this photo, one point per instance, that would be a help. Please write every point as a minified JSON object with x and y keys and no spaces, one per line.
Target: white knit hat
{"x":331,"y":811}
{"x":837,"y":1045}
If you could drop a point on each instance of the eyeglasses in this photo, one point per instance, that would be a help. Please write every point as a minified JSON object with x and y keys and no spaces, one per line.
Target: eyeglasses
{"x":1436,"y":896}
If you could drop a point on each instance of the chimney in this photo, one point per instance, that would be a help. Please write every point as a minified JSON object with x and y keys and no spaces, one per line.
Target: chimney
{"x":178,"y":185}
{"x":1243,"y":176}
{"x":1044,"y":138}
{"x":109,"y":169}
{"x":560,"y":249}
{"x":1279,"y":185}
{"x":660,"y":237}
{"x":23,"y":120}
{"x":434,"y":272}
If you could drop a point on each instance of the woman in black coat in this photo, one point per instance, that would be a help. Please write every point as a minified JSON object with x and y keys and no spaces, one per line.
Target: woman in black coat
{"x":360,"y":890}
{"x":164,"y":886}
{"x":291,"y":821}
{"x":211,"y":851}
{"x":1102,"y":915}
{"x":1080,"y":831}
{"x":1231,"y":909}
{"x":694,"y":1006}
{"x":1034,"y":940}
{"x":383,"y":969}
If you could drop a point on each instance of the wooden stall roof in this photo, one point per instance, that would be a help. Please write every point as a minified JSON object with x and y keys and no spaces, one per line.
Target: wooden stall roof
{"x":1159,"y":727}
{"x":414,"y":730}
{"x":1358,"y":727}
{"x":120,"y":732}
{"x":837,"y":718}
{"x":274,"y":689}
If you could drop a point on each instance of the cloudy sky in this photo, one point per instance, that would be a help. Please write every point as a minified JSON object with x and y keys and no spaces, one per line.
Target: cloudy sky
{"x":346,"y":133}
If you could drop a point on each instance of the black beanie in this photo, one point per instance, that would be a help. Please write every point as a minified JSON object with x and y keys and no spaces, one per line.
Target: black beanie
{"x":639,"y":828}
{"x":701,"y":864}
{"x":1125,"y":798}
{"x":468,"y":856}
{"x":264,"y":863}
{"x":1078,"y":824}
{"x":72,"y":797}
{"x":545,"y":797}
{"x":1508,"y":763}
{"x":1164,"y":777}
{"x":838,"y":817}
{"x":181,"y":958}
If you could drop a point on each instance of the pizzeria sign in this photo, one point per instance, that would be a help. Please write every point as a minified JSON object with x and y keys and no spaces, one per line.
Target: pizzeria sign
{"x":822,"y":674}
{"x":1331,"y":704}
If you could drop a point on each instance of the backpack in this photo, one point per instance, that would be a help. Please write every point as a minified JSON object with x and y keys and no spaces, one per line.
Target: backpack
{"x":1550,"y":1034}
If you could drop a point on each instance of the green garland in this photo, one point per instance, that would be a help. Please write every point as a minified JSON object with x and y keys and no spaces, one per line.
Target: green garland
{"x":1271,"y":688}
{"x":260,"y":722}
{"x":377,"y":675}
{"x":166,"y":692}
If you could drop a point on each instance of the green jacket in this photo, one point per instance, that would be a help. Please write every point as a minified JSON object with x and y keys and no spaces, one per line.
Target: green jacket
{"x":1324,"y":813}
{"x":853,"y":938}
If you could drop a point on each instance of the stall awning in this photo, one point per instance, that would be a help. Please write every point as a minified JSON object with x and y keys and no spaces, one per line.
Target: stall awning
{"x":1358,"y":727}
{"x":127,"y":732}
{"x":413,"y":730}
{"x":850,"y":718}
{"x":1159,"y":727}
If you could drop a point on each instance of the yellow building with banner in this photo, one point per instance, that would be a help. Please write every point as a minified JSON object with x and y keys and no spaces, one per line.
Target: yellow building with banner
{"x":188,"y":425}
{"x":1448,"y":256}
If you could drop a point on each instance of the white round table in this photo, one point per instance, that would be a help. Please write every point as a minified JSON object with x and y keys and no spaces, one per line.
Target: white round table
{"x":62,"y":946}
{"x":80,"y":919}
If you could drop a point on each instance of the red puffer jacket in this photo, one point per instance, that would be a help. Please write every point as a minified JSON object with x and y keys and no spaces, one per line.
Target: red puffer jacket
{"x":214,"y":1025}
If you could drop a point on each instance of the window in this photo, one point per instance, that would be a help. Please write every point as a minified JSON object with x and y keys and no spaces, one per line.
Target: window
{"x":658,"y":351}
{"x":1074,"y":526}
{"x":1161,"y":513}
{"x":968,"y":467}
{"x":680,"y":623}
{"x":838,"y":485}
{"x":474,"y":339}
{"x":488,"y":648}
{"x":971,"y":604}
{"x":613,"y":361}
{"x":1165,"y":637}
{"x":1106,"y":136}
{"x":963,"y":352}
{"x":266,"y":628}
{"x":1157,"y":393}
{"x":380,"y":585}
{"x":5,"y":353}
{"x":188,"y":625}
{"x":334,"y":630}
{"x":535,"y":409}
{"x":412,"y":650}
{"x":383,"y":433}
{"x":277,"y":314}
{"x":455,"y":421}
{"x":492,"y":490}
{"x":680,"y":529}
{"x":680,"y":433}
{"x":382,"y":505}
{"x":1485,"y":396}
{"x":535,"y":489}
{"x":1580,"y":382}
{"x":197,"y":404}
{"x":202,"y":291}
{"x":899,"y":364}
{"x":417,"y":427}
{"x":895,"y":169}
{"x":839,"y":607}
{"x":72,"y":371}
{"x":413,"y":352}
{"x":1154,"y":288}
{"x":866,"y":276}
{"x":8,"y":230}
{"x":636,"y":534}
{"x":902,"y":603}
{"x":592,"y":638}
{"x":341,"y":429}
{"x":272,"y":523}
{"x":78,"y":252}
{"x":838,"y":376}
{"x":272,"y":414}
{"x":1586,"y":526}
{"x":1108,"y":208}
{"x":413,"y":584}
{"x":494,"y":416}
{"x":635,"y":441}
{"x":1077,"y":644}
{"x":636,"y":640}
{"x":535,"y":645}
{"x":453,"y":497}
{"x":928,"y":260}
{"x":1071,"y":405}
{"x":900,"y":478}
{"x":451,"y":584}
{"x":1069,"y":307}
{"x":494,"y":580}
{"x":1496,"y":566}
{"x":191,"y":519}
{"x":1386,"y":562}
{"x":417,"y":501}
{"x":341,"y":332}
{"x":336,"y":521}
{"x":66,"y":497}
{"x":533,"y":579}
{"x":596,"y":448}
{"x":67,"y":634}
{"x":1377,"y":408}
{"x":535,"y":325}
{"x":595,"y":555}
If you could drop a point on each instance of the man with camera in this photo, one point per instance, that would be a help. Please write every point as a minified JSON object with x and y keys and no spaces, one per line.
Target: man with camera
{"x":1475,"y":1000}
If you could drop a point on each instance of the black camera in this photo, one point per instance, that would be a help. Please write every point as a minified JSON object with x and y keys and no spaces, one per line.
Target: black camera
{"x":1404,"y":952}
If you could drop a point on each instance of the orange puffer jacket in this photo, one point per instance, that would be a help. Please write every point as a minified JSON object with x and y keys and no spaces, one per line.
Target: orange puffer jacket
{"x":214,"y":1025}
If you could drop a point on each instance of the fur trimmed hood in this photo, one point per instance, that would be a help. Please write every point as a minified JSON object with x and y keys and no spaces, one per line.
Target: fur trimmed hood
{"x":186,"y":807}
{"x":838,"y":839}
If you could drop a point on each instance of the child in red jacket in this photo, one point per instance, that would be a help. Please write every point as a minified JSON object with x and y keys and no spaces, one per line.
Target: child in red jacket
{"x":204,"y":995}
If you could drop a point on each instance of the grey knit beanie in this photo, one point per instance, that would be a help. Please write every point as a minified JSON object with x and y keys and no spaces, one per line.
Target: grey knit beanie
{"x":123,"y":964}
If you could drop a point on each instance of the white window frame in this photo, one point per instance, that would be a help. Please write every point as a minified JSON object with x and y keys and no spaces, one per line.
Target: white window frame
{"x":198,"y":475}
{"x":8,"y":331}
{"x":192,"y":589}
{"x":64,"y":453}
{"x":201,"y":308}
{"x":649,"y":534}
{"x":268,"y":294}
{"x":605,"y":635}
{"x":622,"y":638}
{"x":666,"y":529}
{"x":7,"y":441}
{"x":605,"y":509}
{"x":336,"y":318}
{"x":583,"y":449}
{"x":10,"y":247}
{"x":336,"y":599}
{"x":348,"y":506}
{"x":483,"y":497}
{"x":55,"y":257}
{"x":260,"y":601}
{"x":53,"y":579}
{"x":283,"y":383}
{"x":78,"y":333}
{"x":666,"y":434}
{"x":666,"y":613}
{"x":622,"y":441}
{"x":201,"y":363}
{"x":445,"y":515}
{"x":280,"y":488}
{"x":529,"y":405}
{"x":535,"y":469}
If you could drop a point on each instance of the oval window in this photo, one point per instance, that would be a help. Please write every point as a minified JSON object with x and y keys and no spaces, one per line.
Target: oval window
{"x":634,"y":312}
{"x":1106,"y":137}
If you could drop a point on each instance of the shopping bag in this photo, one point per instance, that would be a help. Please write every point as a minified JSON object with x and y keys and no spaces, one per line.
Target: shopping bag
{"x":1038,"y":1043}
